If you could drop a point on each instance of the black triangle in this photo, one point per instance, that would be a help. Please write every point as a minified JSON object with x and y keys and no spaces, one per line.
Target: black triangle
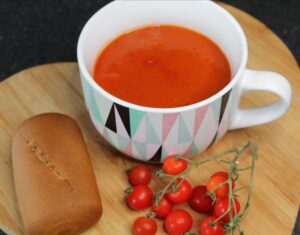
{"x":111,"y":120}
{"x":224,"y":102}
{"x":124,"y":115}
{"x":157,"y":156}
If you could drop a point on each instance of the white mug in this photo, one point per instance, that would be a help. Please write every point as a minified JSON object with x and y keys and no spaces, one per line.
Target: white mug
{"x":151,"y":134}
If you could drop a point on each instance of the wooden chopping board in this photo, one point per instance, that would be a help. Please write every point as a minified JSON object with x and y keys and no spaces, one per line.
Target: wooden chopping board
{"x":56,"y":88}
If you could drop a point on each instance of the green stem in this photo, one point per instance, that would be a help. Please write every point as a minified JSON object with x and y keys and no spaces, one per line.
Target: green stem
{"x":244,"y":169}
{"x":233,"y":171}
{"x":230,"y":193}
{"x":193,"y":165}
{"x":221,"y":216}
{"x":247,"y":206}
{"x":241,"y":188}
{"x":220,"y":185}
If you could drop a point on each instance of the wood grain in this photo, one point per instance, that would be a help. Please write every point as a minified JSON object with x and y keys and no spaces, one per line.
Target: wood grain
{"x":56,"y":88}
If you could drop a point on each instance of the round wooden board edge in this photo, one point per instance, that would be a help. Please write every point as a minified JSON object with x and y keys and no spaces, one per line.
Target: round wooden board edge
{"x":74,"y":63}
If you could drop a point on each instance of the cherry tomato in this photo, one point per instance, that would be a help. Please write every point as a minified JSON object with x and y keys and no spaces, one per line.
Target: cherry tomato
{"x":220,"y":173}
{"x":217,"y":179}
{"x":183,"y":193}
{"x":178,"y":222}
{"x":163,"y":209}
{"x":200,"y":201}
{"x":174,"y":166}
{"x":140,"y":197}
{"x":224,"y":175}
{"x":140,"y":174}
{"x":144,"y":226}
{"x":207,"y":229}
{"x":221,"y":207}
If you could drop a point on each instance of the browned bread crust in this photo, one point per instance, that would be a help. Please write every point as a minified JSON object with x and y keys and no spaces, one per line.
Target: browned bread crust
{"x":54,"y":179}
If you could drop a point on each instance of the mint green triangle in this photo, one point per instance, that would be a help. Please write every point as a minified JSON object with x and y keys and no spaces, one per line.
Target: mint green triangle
{"x":194,"y":149}
{"x":183,"y":133}
{"x":123,"y":142}
{"x":216,"y":107}
{"x":140,"y":147}
{"x":95,"y":108}
{"x":135,"y":120}
{"x":151,"y":136}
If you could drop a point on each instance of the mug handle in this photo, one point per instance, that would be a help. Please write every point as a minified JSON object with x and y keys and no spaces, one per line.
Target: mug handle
{"x":266,"y":81}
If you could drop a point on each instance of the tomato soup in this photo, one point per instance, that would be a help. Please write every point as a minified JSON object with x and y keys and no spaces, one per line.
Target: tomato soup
{"x":162,"y":66}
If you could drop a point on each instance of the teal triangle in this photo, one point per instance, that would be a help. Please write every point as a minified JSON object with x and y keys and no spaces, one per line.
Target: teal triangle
{"x":164,"y":153}
{"x":194,"y":149}
{"x":183,"y":133}
{"x":95,"y":108}
{"x":123,"y":142}
{"x":135,"y":120}
{"x":140,"y":147}
{"x":216,"y":107}
{"x":151,"y":136}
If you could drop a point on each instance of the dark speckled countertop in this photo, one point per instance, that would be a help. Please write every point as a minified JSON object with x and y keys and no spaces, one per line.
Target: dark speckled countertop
{"x":37,"y":32}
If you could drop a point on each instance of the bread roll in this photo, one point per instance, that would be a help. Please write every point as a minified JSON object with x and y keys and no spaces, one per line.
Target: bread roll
{"x":54,"y":180}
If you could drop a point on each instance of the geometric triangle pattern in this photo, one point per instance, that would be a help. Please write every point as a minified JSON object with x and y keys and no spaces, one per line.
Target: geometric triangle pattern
{"x":135,"y":119}
{"x":189,"y":119}
{"x":156,"y":120}
{"x":221,"y":111}
{"x":216,"y":107}
{"x":188,"y":151}
{"x":140,"y":147}
{"x":95,"y":109}
{"x":164,"y":153}
{"x":157,"y":156}
{"x":225,"y":114}
{"x":121,"y":128}
{"x":140,"y":133}
{"x":152,"y":151}
{"x":194,"y":149}
{"x":123,"y":142}
{"x":87,"y":91}
{"x":172,"y":135}
{"x":124,"y":115}
{"x":199,"y":116}
{"x":111,"y":120}
{"x":168,"y":122}
{"x":128,"y":149}
{"x":152,"y":136}
{"x":212,"y":128}
{"x":183,"y":133}
{"x":224,"y":102}
{"x":200,"y":137}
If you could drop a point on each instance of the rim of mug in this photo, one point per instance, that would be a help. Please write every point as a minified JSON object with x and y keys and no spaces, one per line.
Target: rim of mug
{"x":193,"y":106}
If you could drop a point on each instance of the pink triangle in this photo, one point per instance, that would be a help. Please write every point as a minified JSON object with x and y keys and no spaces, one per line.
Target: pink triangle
{"x":168,"y":121}
{"x":188,"y":152}
{"x":140,"y":134}
{"x":200,"y":114}
{"x":104,"y":134}
{"x":128,"y":149}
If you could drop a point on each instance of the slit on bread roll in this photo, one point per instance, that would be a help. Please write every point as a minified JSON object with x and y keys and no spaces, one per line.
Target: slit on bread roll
{"x":54,"y":180}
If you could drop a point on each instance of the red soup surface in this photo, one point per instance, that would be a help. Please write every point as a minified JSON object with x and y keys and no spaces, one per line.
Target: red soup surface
{"x":162,"y":66}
